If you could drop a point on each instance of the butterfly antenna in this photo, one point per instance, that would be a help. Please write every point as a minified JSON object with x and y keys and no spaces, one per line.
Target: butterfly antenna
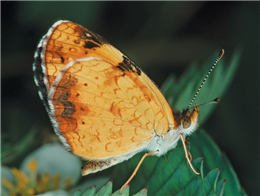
{"x":210,"y":102}
{"x":211,"y":69}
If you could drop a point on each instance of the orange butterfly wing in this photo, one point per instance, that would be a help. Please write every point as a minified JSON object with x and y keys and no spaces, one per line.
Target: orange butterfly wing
{"x":100,"y":103}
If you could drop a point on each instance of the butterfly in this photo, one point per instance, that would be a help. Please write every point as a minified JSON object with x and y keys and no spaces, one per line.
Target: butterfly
{"x":102,"y":106}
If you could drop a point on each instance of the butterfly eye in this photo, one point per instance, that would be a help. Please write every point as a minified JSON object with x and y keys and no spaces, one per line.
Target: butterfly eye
{"x":186,"y":122}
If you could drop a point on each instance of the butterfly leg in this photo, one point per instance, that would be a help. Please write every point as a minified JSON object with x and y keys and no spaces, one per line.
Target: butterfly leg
{"x":190,"y":156}
{"x":187,"y":154}
{"x":136,"y":169}
{"x":187,"y":142}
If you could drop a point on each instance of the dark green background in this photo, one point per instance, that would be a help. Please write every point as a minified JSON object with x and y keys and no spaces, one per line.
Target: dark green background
{"x":162,"y":38}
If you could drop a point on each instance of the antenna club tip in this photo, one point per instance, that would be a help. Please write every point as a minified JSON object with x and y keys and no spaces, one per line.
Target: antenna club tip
{"x":217,"y":100}
{"x":221,"y":53}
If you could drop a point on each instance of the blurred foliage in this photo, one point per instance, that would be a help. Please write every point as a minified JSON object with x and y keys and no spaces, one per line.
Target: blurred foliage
{"x":163,"y":38}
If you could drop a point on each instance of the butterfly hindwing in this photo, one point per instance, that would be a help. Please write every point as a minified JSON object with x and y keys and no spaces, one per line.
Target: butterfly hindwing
{"x":100,"y":103}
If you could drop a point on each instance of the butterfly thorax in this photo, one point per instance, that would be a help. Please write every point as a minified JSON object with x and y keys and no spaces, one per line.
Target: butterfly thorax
{"x":185,"y":123}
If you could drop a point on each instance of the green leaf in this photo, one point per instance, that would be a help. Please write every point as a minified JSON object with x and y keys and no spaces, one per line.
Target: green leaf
{"x":143,"y":192}
{"x":125,"y":192}
{"x":77,"y":193}
{"x":202,"y":144}
{"x":107,"y":190}
{"x":219,"y":189}
{"x":90,"y":192}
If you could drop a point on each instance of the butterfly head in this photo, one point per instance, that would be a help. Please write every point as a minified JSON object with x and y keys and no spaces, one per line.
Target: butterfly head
{"x":188,"y":121}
